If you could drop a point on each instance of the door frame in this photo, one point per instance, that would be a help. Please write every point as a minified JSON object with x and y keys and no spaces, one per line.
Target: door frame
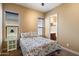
{"x":48,"y":18}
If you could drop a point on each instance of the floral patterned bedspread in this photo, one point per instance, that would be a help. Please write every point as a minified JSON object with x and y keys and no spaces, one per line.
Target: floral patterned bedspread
{"x":37,"y":46}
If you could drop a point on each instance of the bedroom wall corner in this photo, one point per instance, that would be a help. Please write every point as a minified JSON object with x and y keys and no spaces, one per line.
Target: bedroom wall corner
{"x":68,"y":21}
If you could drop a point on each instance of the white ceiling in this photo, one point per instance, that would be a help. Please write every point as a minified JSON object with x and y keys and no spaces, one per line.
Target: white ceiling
{"x":37,"y":6}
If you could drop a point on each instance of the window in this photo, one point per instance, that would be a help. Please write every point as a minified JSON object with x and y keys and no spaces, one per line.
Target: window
{"x":12,"y":18}
{"x":40,"y":26}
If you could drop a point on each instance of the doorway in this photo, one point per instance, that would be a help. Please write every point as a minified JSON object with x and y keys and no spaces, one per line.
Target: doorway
{"x":51,"y":26}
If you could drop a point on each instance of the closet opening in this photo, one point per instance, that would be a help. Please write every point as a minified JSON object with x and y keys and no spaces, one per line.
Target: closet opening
{"x":53,"y":26}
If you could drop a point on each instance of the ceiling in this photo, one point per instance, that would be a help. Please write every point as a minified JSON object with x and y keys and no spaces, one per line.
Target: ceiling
{"x":37,"y":6}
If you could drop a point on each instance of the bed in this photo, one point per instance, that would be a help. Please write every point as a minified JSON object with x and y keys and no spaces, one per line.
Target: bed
{"x":37,"y":46}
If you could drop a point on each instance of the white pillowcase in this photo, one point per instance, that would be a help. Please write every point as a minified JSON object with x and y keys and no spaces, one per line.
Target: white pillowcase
{"x":25,"y":35}
{"x":29,"y":34}
{"x":34,"y":34}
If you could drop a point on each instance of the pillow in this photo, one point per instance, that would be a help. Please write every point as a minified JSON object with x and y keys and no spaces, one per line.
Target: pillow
{"x":34,"y":34}
{"x":25,"y":35}
{"x":29,"y":34}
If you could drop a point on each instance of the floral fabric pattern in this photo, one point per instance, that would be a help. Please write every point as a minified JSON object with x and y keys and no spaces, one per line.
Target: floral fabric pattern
{"x":38,"y":46}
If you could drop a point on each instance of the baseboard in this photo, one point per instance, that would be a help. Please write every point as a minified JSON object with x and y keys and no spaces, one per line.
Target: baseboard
{"x":69,"y":50}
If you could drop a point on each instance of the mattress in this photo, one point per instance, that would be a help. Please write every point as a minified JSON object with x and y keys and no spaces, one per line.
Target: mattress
{"x":37,"y":46}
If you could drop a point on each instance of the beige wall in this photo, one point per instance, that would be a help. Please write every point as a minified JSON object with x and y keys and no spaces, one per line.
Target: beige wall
{"x":67,"y":19}
{"x":68,"y":25}
{"x":28,"y":17}
{"x":0,"y":26}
